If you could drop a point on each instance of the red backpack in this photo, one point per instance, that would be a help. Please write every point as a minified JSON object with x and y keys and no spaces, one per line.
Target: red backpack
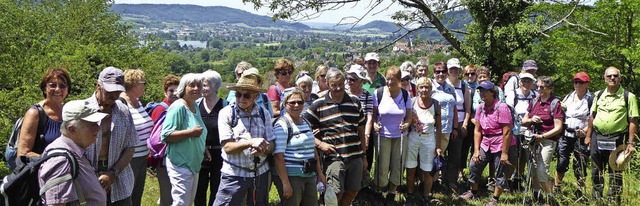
{"x":506,"y":77}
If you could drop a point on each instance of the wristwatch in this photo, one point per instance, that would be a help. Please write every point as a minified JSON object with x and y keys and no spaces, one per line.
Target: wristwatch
{"x":632,"y":143}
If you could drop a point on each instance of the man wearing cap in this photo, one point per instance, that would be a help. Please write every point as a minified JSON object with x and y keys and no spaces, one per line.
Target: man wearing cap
{"x":375,"y":79}
{"x":528,"y":66}
{"x":356,"y":76}
{"x":519,"y":99}
{"x":116,"y":141}
{"x":338,"y":117}
{"x":246,"y":137}
{"x":614,"y":115}
{"x":79,"y":130}
{"x":446,"y":95}
{"x":572,"y":141}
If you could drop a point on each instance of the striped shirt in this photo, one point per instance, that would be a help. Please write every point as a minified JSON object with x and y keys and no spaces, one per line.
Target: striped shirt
{"x":366,"y":99}
{"x":301,"y":146}
{"x":338,"y":123}
{"x":143,"y":123}
{"x":250,"y":125}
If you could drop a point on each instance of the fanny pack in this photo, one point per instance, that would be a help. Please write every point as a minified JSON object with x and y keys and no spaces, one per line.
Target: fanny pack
{"x":606,"y":142}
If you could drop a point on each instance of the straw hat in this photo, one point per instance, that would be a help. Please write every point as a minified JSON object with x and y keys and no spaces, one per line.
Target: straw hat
{"x":249,"y":82}
{"x":619,"y":159}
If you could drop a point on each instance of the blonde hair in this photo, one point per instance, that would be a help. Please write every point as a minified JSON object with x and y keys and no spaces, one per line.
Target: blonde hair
{"x":131,"y":77}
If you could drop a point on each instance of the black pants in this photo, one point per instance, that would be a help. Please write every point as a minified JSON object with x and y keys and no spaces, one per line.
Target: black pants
{"x":453,"y":159}
{"x":575,"y":145}
{"x":600,"y":160}
{"x":372,"y":141}
{"x":467,"y":143}
{"x":209,"y":177}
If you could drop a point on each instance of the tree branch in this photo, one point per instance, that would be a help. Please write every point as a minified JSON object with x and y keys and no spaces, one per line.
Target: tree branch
{"x":561,"y":20}
{"x":402,"y":36}
{"x":585,"y":28}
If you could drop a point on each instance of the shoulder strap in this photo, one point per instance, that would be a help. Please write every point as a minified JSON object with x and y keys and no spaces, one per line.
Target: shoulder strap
{"x":123,"y":101}
{"x":435,"y":109}
{"x":554,"y":102}
{"x":405,"y":96}
{"x":42,"y":117}
{"x":379,"y":92}
{"x":234,"y":118}
{"x":598,"y":95}
{"x":590,"y":101}
{"x":72,"y":161}
{"x":515,"y":97}
{"x":626,"y":100}
{"x":261,"y":111}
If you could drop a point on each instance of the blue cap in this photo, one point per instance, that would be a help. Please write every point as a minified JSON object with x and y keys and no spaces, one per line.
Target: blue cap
{"x":486,"y":85}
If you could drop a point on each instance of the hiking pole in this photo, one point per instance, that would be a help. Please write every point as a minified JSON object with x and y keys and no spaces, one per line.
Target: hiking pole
{"x":530,"y":145}
{"x":401,"y":161}
{"x":256,"y":161}
{"x":377,"y":171}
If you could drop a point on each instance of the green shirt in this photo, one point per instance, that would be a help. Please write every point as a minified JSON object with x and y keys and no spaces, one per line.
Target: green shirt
{"x":186,"y":153}
{"x":611,"y":114}
{"x":379,"y":81}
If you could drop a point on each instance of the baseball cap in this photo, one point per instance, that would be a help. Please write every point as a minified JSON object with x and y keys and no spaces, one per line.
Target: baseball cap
{"x":527,"y":75}
{"x":582,"y":76}
{"x":486,"y":85}
{"x":404,"y":74}
{"x":81,"y":109}
{"x":530,"y":65}
{"x":453,"y":62}
{"x":112,"y":79}
{"x":372,"y":56}
{"x":358,"y":71}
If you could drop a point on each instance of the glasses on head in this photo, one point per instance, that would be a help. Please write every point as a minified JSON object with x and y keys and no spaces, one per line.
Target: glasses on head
{"x":285,"y":73}
{"x":579,"y":82}
{"x":142,"y":82}
{"x":293,"y":103}
{"x":613,"y":76}
{"x":440,"y":71}
{"x":246,"y":95}
{"x":470,"y":74}
{"x":55,"y":85}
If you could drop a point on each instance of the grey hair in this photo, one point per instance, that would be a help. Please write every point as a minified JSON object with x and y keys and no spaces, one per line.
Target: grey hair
{"x":407,"y":64}
{"x":304,"y":79}
{"x":334,"y":74}
{"x":213,"y":78}
{"x":65,"y":124}
{"x":243,"y":65}
{"x":546,"y":80}
{"x":422,"y":63}
{"x":186,"y":80}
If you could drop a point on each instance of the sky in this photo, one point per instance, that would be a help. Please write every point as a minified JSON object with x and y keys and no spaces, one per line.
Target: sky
{"x":382,"y":12}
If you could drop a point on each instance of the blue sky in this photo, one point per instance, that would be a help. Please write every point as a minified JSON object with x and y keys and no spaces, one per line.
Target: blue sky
{"x":383,"y":12}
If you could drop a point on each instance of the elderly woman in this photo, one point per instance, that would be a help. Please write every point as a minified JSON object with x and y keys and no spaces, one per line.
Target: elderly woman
{"x":304,"y":83}
{"x":544,"y":116}
{"x":246,"y":138}
{"x":484,"y":74}
{"x":184,"y":133}
{"x":463,"y":105}
{"x":134,"y":85}
{"x":296,"y":159}
{"x":407,"y":83}
{"x":36,"y":135}
{"x":424,"y":138}
{"x":392,"y":106}
{"x":321,"y":81}
{"x":283,"y":70}
{"x":210,"y":105}
{"x":410,"y":68}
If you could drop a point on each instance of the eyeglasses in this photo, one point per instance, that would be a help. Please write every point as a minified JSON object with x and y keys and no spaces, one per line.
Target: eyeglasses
{"x":285,"y":73}
{"x":613,"y":76}
{"x":54,"y":85}
{"x":239,"y":74}
{"x":470,"y":74}
{"x":246,"y":95}
{"x":440,"y":71}
{"x":323,"y":75}
{"x":171,"y":90}
{"x":579,"y":82}
{"x":406,"y":79}
{"x":293,"y":103}
{"x":351,"y":79}
{"x":540,"y":87}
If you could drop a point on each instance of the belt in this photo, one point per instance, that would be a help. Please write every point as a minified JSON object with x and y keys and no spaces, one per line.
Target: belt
{"x":213,"y":147}
{"x":617,"y":134}
{"x":491,"y":135}
{"x":340,"y":158}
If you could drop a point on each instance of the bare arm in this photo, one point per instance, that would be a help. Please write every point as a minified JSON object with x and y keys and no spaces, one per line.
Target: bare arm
{"x":467,"y":109}
{"x":633,"y":128}
{"x":557,"y":129}
{"x":28,"y":133}
{"x":180,"y":135}
{"x":587,"y":140}
{"x":526,"y":120}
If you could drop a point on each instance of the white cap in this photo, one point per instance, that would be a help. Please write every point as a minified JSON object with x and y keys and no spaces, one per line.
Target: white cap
{"x":527,"y":75}
{"x":358,"y":71}
{"x":453,"y":62}
{"x":372,"y":56}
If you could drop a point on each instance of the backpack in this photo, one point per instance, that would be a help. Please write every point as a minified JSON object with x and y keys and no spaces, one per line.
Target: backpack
{"x":11,"y":151}
{"x":599,"y":94}
{"x":22,"y":188}
{"x":517,"y":123}
{"x":507,"y":76}
{"x":234,"y":123}
{"x":154,"y":142}
{"x":405,"y":95}
{"x":151,"y":106}
{"x":516,"y":97}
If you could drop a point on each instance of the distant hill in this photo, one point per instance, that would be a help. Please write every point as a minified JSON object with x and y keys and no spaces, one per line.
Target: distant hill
{"x":384,"y":26}
{"x":200,"y":14}
{"x":455,"y":20}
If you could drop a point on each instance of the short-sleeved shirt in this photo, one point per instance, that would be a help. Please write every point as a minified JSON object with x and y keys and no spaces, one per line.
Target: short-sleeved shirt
{"x":65,"y":192}
{"x":366,"y":100}
{"x":447,"y":103}
{"x":542,"y":109}
{"x":577,"y":112}
{"x":491,"y":122}
{"x":156,"y":113}
{"x":338,"y":123}
{"x":519,"y":102}
{"x":275,"y":91}
{"x":611,"y":115}
{"x":189,"y":152}
{"x":143,"y":124}
{"x":301,"y":146}
{"x":378,"y":82}
{"x":249,"y":125}
{"x":391,"y":112}
{"x":262,"y":101}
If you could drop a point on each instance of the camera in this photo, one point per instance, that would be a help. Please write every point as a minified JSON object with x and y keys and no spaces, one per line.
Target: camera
{"x":309,"y":165}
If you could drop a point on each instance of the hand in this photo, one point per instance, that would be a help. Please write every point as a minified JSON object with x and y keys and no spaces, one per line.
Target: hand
{"x":287,"y":190}
{"x":454,"y":134}
{"x":504,"y":159}
{"x":327,"y":148}
{"x":259,"y":144}
{"x":207,"y":155}
{"x":106,"y":178}
{"x":536,"y":119}
{"x":438,"y":152}
{"x":463,"y":131}
{"x":587,"y":141}
{"x":581,"y":133}
{"x":377,"y":127}
{"x":404,"y":127}
{"x":196,"y":131}
{"x":365,"y":164}
{"x":476,"y":156}
{"x":630,"y":149}
{"x":323,"y":179}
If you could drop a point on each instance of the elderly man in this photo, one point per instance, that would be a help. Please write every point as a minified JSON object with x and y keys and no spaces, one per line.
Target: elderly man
{"x":79,"y":130}
{"x":338,"y":117}
{"x":613,"y":122}
{"x":374,"y":78}
{"x":114,"y":148}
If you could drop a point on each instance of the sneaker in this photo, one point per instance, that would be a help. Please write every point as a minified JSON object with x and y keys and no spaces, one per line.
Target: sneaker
{"x":468,"y":195}
{"x":492,"y":202}
{"x":491,"y":184}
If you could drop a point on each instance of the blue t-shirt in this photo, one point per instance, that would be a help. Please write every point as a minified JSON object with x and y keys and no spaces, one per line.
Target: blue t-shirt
{"x":300,"y":148}
{"x":447,"y":102}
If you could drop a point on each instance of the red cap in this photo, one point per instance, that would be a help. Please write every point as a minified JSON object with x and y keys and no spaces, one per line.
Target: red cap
{"x":581,"y":76}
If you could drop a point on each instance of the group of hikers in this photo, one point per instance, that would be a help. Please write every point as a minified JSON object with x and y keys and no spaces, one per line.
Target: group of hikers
{"x":326,"y":134}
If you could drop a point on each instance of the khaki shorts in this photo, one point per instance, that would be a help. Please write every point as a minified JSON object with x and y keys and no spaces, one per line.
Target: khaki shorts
{"x":338,"y":171}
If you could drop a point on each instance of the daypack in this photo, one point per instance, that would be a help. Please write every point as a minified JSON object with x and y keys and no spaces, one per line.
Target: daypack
{"x":517,"y":123}
{"x":405,"y":95}
{"x":234,"y":118}
{"x":288,"y":124}
{"x":507,"y":76}
{"x":517,"y":98}
{"x":152,"y":105}
{"x":154,"y":142}
{"x":22,"y":188}
{"x":11,"y":151}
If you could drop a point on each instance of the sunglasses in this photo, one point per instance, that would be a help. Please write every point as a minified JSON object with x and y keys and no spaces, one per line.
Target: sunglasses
{"x":293,"y":103}
{"x":322,"y":75}
{"x":613,"y":76}
{"x":351,"y":79}
{"x":440,"y":71}
{"x":239,"y":74}
{"x":285,"y":73}
{"x":470,"y":74}
{"x":246,"y":95}
{"x":171,"y":90}
{"x":54,"y":85}
{"x":406,"y":79}
{"x":541,"y":87}
{"x":579,"y":82}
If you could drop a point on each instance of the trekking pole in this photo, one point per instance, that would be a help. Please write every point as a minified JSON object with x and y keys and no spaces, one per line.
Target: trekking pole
{"x":377,"y":170}
{"x":256,"y":160}
{"x":401,"y":160}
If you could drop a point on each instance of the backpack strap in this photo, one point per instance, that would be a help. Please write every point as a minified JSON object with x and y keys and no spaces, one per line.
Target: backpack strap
{"x":234,"y":115}
{"x":124,"y":101}
{"x":598,"y":95}
{"x":436,"y":111}
{"x":71,"y":158}
{"x":42,"y":123}
{"x":379,"y":92}
{"x":289,"y":126}
{"x":405,"y":96}
{"x":554,"y":102}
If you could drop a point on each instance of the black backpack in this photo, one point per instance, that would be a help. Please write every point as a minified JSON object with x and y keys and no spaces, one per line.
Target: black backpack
{"x":11,"y":151}
{"x":21,"y":187}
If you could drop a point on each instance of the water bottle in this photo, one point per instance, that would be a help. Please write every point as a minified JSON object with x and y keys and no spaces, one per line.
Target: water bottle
{"x":330,"y":198}
{"x":320,"y":187}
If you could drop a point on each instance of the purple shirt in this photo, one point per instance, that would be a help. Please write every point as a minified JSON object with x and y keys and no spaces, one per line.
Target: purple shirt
{"x":66,"y":191}
{"x":391,"y":112}
{"x":491,"y":122}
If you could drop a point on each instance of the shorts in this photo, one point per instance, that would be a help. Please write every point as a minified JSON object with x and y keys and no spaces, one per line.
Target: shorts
{"x":423,"y":146}
{"x":338,"y":171}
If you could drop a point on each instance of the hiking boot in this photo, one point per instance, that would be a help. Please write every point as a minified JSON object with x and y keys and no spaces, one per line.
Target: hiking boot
{"x":454,"y":188}
{"x":492,"y":202}
{"x":491,"y":182}
{"x":468,"y":195}
{"x":391,"y":198}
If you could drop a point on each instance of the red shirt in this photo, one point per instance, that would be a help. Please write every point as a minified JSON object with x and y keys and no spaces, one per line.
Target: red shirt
{"x":542,"y":109}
